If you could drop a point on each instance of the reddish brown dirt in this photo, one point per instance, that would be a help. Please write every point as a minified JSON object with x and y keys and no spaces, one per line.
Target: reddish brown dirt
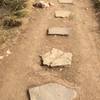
{"x":22,"y":69}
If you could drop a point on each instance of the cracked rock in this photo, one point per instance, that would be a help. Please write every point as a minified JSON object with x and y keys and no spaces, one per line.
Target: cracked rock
{"x":57,"y":58}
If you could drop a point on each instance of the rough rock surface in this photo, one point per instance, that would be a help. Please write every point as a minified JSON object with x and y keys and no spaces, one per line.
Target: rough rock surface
{"x":52,"y":91}
{"x":41,"y":4}
{"x":59,"y":31}
{"x":62,"y":13}
{"x":57,"y":58}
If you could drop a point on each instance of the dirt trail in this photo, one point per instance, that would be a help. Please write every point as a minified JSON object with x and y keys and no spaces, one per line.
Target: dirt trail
{"x":89,"y":62}
{"x":22,"y":69}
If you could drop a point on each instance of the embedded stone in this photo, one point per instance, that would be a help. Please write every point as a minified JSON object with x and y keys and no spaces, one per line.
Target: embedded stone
{"x":52,"y":91}
{"x":66,"y":1}
{"x":57,"y":58}
{"x":62,"y":13}
{"x":59,"y":31}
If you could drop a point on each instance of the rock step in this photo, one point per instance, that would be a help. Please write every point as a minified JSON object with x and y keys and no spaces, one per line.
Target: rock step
{"x":52,"y":91}
{"x":56,"y":58}
{"x":59,"y":31}
{"x":66,"y":1}
{"x":62,"y":13}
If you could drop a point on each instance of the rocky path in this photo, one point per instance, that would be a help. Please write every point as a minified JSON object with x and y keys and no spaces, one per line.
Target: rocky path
{"x":22,"y":69}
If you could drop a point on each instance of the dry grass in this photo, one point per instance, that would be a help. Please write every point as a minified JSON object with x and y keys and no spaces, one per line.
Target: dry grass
{"x":11,"y":15}
{"x":97,"y":4}
{"x":97,"y":7}
{"x":15,"y":9}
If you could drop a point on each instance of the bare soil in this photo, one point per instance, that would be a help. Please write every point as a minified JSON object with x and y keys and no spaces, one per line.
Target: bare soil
{"x":22,"y":69}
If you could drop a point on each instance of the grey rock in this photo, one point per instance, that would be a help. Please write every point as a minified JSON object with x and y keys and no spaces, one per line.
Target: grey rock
{"x":66,"y":1}
{"x":52,"y":91}
{"x":59,"y":31}
{"x":62,"y":13}
{"x":57,"y":58}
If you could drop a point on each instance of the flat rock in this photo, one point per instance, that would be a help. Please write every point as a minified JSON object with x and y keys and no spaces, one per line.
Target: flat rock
{"x":52,"y":91}
{"x":57,"y":58}
{"x":62,"y":13}
{"x":66,"y":1}
{"x":59,"y":31}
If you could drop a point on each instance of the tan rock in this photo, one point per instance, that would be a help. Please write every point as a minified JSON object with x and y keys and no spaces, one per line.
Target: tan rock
{"x":66,"y":1}
{"x":56,"y":58}
{"x":62,"y":13}
{"x":59,"y":31}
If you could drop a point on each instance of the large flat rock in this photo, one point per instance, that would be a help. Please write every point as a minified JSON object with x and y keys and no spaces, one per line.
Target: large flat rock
{"x":59,"y":31}
{"x":57,"y":58}
{"x":62,"y":13}
{"x":52,"y":91}
{"x":66,"y":1}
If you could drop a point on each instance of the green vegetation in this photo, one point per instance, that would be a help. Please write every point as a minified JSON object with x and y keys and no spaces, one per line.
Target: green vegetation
{"x":14,"y":10}
{"x":97,"y":5}
{"x":13,"y":5}
{"x":11,"y":15}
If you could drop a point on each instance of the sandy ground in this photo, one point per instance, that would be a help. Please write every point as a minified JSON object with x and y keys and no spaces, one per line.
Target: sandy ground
{"x":22,"y":69}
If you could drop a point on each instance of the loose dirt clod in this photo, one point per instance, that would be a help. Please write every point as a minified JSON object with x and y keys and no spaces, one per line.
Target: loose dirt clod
{"x":52,"y":91}
{"x":57,"y":58}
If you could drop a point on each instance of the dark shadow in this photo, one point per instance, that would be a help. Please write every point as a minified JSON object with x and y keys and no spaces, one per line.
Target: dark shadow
{"x":97,"y":10}
{"x":28,"y":95}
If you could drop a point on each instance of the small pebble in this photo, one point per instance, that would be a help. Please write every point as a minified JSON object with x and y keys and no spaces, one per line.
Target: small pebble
{"x":1,"y":57}
{"x":8,"y":52}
